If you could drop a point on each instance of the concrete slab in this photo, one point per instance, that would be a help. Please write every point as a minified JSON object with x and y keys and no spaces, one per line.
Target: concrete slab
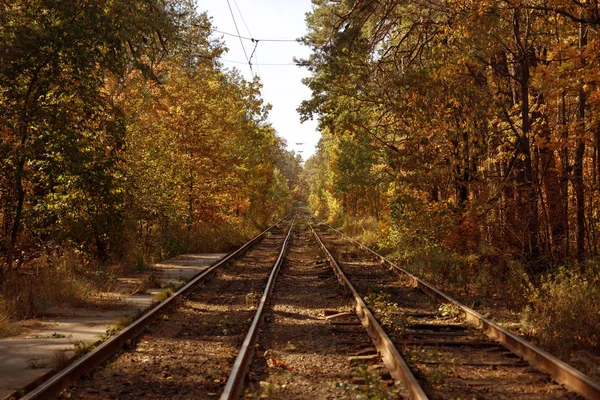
{"x":30,"y":357}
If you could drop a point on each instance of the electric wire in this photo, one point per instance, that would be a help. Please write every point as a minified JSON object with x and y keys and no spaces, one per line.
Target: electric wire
{"x":253,"y":39}
{"x":241,"y":42}
{"x":265,"y":64}
{"x":242,"y":16}
{"x":245,"y":63}
{"x":251,"y":35}
{"x":257,"y":64}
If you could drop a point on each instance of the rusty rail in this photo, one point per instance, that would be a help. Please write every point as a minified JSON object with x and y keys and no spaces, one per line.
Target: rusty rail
{"x":63,"y":379}
{"x":235,"y":382}
{"x":560,"y":371}
{"x":391,"y":357}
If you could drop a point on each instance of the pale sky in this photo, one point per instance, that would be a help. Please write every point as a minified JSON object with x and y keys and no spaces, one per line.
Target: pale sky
{"x":282,"y":84}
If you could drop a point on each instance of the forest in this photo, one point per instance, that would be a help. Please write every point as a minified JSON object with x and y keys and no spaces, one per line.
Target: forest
{"x":459,"y":137}
{"x":462,"y":136}
{"x":123,"y":141}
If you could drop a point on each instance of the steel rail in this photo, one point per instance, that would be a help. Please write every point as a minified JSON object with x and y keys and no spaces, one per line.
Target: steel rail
{"x":391,"y":357}
{"x":235,"y":382}
{"x":560,"y":371}
{"x":63,"y":379}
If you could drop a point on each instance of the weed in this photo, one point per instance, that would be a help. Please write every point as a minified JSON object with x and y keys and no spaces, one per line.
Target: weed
{"x":82,"y":348}
{"x":58,"y":336}
{"x":437,"y":376}
{"x":388,"y":313}
{"x":35,"y":363}
{"x":122,"y":322}
{"x":163,"y":295}
{"x":150,"y":281}
{"x":109,"y":333}
{"x":563,"y":311}
{"x":290,"y":346}
{"x":372,"y":387}
{"x":252,"y":299}
{"x":61,"y":360}
{"x":422,"y":355}
{"x":8,"y":329}
{"x":449,"y":310}
{"x":49,"y":280}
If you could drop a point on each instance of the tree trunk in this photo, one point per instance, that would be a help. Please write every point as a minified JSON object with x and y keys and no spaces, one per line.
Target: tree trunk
{"x":551,"y":180}
{"x":578,"y":166}
{"x":527,"y":199}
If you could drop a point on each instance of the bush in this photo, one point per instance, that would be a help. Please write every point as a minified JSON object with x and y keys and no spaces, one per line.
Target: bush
{"x":45,"y":282}
{"x":563,"y":310}
{"x":366,"y":230}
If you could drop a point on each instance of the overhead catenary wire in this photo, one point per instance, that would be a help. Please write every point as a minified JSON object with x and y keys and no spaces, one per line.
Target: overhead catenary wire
{"x":243,"y":62}
{"x":265,"y":64}
{"x":254,"y":39}
{"x":251,"y":35}
{"x":242,"y":17}
{"x":238,"y":33}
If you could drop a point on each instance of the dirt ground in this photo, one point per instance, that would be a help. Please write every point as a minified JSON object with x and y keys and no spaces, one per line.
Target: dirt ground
{"x":301,"y":355}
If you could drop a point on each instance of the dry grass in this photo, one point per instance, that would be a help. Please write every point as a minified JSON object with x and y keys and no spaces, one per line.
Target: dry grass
{"x":163,"y":295}
{"x":563,"y":310}
{"x":45,"y":282}
{"x":61,"y":359}
{"x":8,"y":329}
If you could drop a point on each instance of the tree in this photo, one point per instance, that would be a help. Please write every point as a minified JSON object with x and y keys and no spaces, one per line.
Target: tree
{"x":61,"y":133}
{"x":485,"y":106}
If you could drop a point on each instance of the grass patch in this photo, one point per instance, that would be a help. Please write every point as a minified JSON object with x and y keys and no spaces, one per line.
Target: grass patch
{"x":8,"y":329}
{"x":370,"y":388}
{"x":388,"y":313}
{"x":45,"y":282}
{"x":60,"y":360}
{"x":163,"y":295}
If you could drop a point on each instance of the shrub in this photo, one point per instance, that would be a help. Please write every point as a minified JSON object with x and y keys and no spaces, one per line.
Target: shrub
{"x":46,"y":281}
{"x":563,"y":311}
{"x":366,"y":230}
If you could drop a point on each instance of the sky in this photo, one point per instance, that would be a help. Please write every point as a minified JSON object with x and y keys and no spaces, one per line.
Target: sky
{"x":282,"y":84}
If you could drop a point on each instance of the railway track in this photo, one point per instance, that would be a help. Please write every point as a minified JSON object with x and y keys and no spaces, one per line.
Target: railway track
{"x":453,"y":351}
{"x":381,"y":332}
{"x":188,"y":343}
{"x":313,"y":341}
{"x":313,"y":345}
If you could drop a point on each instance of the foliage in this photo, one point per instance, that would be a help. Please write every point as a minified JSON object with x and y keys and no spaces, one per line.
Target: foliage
{"x":124,"y":140}
{"x":463,"y":138}
{"x":449,"y":310}
{"x":472,"y":127}
{"x":389,"y":314}
{"x":372,"y":389}
{"x":163,"y":295}
{"x":51,"y":280}
{"x":61,"y":133}
{"x":562,"y":310}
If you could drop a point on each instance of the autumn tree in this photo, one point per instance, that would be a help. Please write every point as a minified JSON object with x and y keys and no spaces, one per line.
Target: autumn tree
{"x":484,"y":109}
{"x":119,"y":124}
{"x":61,"y":132}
